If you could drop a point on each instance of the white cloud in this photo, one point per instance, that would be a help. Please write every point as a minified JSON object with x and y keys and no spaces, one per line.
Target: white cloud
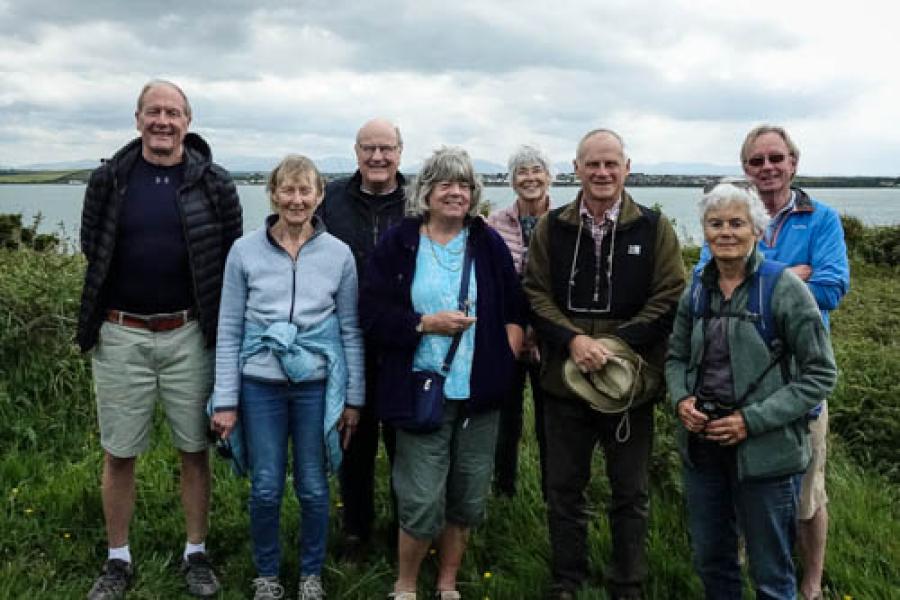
{"x":683,"y":81}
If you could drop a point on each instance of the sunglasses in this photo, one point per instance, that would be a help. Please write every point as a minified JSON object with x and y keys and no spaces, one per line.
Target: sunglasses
{"x":774,"y":159}
{"x":742,"y":184}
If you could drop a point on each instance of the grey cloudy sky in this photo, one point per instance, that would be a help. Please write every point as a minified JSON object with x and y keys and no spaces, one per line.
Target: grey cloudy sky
{"x":682,"y":81}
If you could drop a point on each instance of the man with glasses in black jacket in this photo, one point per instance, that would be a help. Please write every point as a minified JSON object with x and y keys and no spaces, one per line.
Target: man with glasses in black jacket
{"x":358,"y":210}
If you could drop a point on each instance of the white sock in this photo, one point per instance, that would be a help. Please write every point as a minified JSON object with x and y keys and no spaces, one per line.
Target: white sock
{"x":190,"y":548}
{"x":121,"y":553}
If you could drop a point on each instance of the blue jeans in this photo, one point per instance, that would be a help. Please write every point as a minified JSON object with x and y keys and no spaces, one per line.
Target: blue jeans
{"x":270,"y":412}
{"x":720,"y":506}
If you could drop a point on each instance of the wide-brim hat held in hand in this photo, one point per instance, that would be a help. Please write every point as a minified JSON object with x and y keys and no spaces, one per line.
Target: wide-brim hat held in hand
{"x":624,"y":382}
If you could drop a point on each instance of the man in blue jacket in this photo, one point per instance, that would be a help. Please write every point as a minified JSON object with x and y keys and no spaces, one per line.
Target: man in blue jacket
{"x":358,"y":210}
{"x":808,"y":236}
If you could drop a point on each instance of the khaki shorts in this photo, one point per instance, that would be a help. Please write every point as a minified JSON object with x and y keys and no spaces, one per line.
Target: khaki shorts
{"x":133,"y":368}
{"x":812,"y":488}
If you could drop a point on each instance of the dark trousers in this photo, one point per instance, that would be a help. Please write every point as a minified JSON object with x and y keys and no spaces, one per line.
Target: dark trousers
{"x":573,"y":430}
{"x":357,"y":475}
{"x":506,"y":460}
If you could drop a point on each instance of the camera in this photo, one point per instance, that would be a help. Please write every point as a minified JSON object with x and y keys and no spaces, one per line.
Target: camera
{"x":707,"y":404}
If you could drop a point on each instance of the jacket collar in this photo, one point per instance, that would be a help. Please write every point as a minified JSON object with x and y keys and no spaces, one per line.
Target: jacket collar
{"x":354,"y":186}
{"x":628,"y":212}
{"x":409,"y":229}
{"x":802,"y":202}
{"x":197,"y":158}
{"x":710,"y":273}
{"x":317,"y":223}
{"x":512,"y":211}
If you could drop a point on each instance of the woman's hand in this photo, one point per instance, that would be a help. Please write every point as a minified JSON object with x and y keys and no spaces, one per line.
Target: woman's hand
{"x":514,"y":336}
{"x":692,"y":419}
{"x":223,"y":421}
{"x":446,"y":322}
{"x":347,"y":425}
{"x":727,"y":431}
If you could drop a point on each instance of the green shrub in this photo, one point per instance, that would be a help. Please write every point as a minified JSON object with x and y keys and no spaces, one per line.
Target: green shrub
{"x":13,"y":235}
{"x":878,"y":245}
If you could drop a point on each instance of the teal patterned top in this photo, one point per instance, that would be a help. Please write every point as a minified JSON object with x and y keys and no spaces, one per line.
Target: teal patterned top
{"x":435,"y":288}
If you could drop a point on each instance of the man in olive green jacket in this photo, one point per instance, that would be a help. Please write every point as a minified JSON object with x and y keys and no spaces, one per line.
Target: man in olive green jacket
{"x":602,"y":264}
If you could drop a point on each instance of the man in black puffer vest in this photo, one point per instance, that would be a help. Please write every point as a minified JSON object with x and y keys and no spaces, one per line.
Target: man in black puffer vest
{"x":159,"y":218}
{"x":357,"y":211}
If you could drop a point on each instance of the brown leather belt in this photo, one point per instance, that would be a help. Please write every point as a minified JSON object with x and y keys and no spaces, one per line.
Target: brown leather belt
{"x":158,"y":322}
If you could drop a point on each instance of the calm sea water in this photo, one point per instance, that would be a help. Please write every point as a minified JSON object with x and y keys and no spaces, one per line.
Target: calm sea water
{"x":59,"y":206}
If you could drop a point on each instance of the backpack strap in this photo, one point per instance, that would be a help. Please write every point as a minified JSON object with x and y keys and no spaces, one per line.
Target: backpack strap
{"x":759,"y":300}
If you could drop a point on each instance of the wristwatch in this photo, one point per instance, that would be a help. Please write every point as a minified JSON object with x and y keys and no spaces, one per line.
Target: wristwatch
{"x":420,"y":326}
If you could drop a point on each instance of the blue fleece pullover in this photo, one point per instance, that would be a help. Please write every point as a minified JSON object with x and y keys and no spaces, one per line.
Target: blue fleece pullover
{"x":263,"y":285}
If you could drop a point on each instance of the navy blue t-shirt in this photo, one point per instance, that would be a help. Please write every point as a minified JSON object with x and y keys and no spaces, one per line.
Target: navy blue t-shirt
{"x":150,"y":271}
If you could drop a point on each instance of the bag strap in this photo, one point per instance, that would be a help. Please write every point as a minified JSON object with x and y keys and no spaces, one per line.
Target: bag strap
{"x":463,"y":303}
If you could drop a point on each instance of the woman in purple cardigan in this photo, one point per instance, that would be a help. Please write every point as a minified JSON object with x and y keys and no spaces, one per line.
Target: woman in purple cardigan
{"x":408,"y":308}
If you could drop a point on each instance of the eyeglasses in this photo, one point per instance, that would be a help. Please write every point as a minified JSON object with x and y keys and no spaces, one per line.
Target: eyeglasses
{"x":738,"y":183}
{"x":370,"y":149}
{"x":608,"y":272}
{"x":774,"y":159}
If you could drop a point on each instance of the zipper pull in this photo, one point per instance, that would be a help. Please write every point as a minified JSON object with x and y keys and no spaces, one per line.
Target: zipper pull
{"x":465,"y":423}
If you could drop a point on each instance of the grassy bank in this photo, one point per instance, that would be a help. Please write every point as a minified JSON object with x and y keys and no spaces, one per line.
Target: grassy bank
{"x":52,"y":540}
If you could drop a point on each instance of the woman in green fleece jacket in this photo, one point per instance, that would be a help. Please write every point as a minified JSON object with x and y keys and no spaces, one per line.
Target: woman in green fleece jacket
{"x":742,"y":402}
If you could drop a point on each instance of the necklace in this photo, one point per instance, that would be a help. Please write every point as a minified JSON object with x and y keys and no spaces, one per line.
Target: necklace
{"x":447,"y":247}
{"x":454,"y":266}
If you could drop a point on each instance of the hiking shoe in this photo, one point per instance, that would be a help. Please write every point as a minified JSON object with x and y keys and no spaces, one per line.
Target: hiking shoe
{"x":447,"y":595}
{"x":402,"y":596}
{"x":267,"y":588}
{"x":113,"y":581}
{"x":199,"y":576}
{"x":310,"y":588}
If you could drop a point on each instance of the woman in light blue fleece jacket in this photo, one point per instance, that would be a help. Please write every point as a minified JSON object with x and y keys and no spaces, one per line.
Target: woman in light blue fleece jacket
{"x":289,"y":361}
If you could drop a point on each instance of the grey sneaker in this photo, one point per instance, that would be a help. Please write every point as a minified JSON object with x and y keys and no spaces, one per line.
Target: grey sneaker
{"x":310,"y":588}
{"x":199,"y":576}
{"x":113,"y":581}
{"x":267,"y":588}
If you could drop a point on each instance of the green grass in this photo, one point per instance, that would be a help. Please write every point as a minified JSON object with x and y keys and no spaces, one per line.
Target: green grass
{"x":51,"y":524}
{"x":44,"y":176}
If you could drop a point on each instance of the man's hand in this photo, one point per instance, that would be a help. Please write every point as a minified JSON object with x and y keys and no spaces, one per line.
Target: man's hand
{"x":446,"y":322}
{"x":223,"y":421}
{"x":587,"y":353}
{"x":347,"y":425}
{"x":804,"y":272}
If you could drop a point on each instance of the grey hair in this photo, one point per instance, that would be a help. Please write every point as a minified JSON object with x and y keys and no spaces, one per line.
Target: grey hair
{"x":159,"y":82}
{"x":446,"y":164}
{"x":735,"y":191}
{"x":579,"y":151}
{"x":762,"y":130}
{"x":528,"y":156}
